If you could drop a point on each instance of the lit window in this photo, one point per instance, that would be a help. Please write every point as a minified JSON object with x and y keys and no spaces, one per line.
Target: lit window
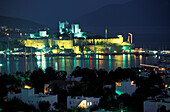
{"x":132,"y":83}
{"x":118,"y":84}
{"x":28,"y":87}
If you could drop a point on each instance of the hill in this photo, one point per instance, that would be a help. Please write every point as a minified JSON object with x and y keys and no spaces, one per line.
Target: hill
{"x":134,"y":13}
{"x":24,"y":25}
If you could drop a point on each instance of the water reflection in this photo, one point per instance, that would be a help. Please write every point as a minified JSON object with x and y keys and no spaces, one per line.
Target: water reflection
{"x":140,"y":57}
{"x":63,"y":64}
{"x":17,"y":64}
{"x":56,"y":66}
{"x":134,"y":61}
{"x":68,"y":63}
{"x":129,"y":61}
{"x":38,"y":61}
{"x":97,"y":62}
{"x":118,"y":60}
{"x":124,"y":60}
{"x":91,"y":63}
{"x":74,"y":63}
{"x":110,"y":62}
{"x":8,"y":67}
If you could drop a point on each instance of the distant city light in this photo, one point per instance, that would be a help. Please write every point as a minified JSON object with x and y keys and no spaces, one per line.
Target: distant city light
{"x":149,"y":65}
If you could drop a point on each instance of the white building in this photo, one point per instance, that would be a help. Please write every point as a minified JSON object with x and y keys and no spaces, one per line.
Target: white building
{"x":82,"y":102}
{"x":125,"y":86}
{"x":75,"y":28}
{"x":63,"y":26}
{"x":153,"y":105}
{"x":41,"y":34}
{"x":28,"y":97}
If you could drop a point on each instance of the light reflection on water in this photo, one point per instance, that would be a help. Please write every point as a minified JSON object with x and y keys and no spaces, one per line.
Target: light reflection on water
{"x":68,"y":63}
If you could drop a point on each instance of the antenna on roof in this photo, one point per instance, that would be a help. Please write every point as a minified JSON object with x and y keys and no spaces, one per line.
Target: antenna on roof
{"x":106,"y":33}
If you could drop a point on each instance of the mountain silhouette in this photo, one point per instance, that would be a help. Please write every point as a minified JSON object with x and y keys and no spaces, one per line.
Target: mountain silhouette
{"x":133,"y":13}
{"x":24,"y":25}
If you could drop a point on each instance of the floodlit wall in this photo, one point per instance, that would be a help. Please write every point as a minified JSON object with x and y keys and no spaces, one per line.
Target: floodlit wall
{"x":37,"y":43}
{"x":76,"y":49}
{"x":118,"y":40}
{"x":64,"y":44}
{"x":41,"y":43}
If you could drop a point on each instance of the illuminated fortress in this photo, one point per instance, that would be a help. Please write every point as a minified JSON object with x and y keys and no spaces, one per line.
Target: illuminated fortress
{"x":76,"y":45}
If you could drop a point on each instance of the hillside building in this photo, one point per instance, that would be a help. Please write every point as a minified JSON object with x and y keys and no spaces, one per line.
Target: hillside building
{"x":82,"y":102}
{"x":125,"y":86}
{"x":28,"y":96}
{"x":40,"y":34}
{"x":154,"y":104}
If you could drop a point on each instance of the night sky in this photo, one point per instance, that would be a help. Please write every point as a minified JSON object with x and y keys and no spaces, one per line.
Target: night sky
{"x":48,"y":12}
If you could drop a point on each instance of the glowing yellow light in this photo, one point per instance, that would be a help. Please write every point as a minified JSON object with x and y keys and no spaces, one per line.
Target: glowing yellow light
{"x":132,"y":83}
{"x":60,"y":37}
{"x":162,"y":69}
{"x":118,"y":84}
{"x":54,"y":50}
{"x":166,"y":85}
{"x":131,"y":37}
{"x":38,"y":53}
{"x":50,"y":89}
{"x":83,"y":104}
{"x":148,"y":65}
{"x":28,"y":87}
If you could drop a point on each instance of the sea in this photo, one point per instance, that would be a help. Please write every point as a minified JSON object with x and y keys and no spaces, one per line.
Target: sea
{"x":11,"y":64}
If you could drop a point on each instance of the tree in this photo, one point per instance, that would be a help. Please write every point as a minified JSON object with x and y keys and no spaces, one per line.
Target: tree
{"x":76,"y":109}
{"x":50,"y":74}
{"x":162,"y":109}
{"x":107,"y":99}
{"x":56,"y":105}
{"x":37,"y":80}
{"x":44,"y":106}
{"x":16,"y":105}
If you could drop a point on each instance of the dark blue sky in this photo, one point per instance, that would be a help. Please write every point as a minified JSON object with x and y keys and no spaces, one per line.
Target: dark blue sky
{"x":49,"y":12}
{"x":152,"y":16}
